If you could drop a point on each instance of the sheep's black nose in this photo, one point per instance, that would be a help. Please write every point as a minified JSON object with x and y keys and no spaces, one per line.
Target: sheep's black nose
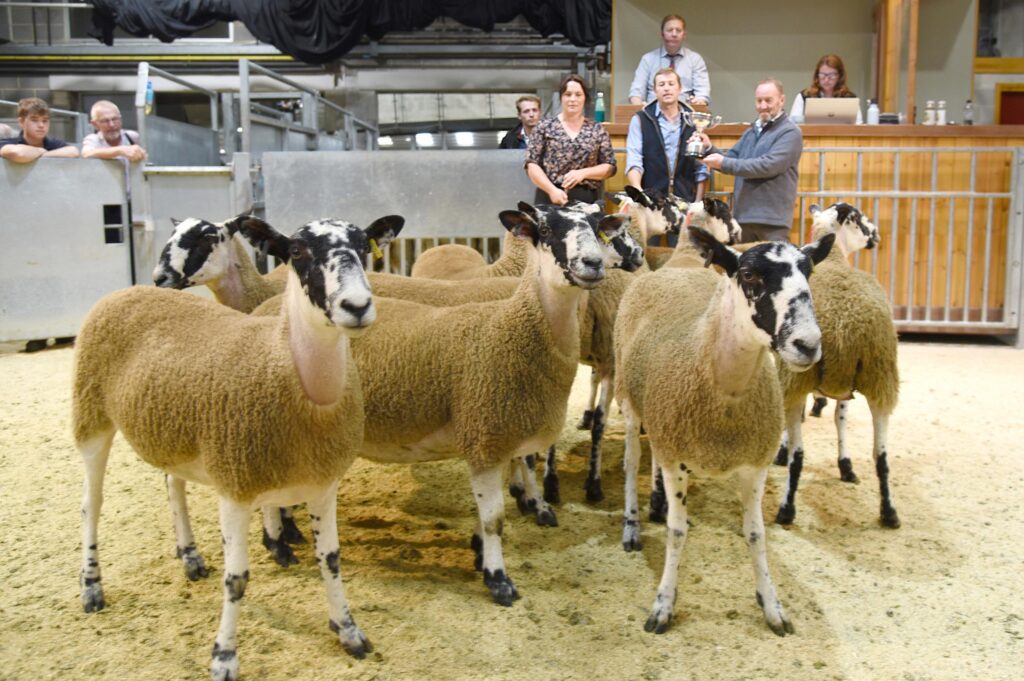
{"x":805,"y":349}
{"x":593,"y":263}
{"x":356,"y":311}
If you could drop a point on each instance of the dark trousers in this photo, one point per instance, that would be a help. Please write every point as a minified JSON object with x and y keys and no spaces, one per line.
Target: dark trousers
{"x":755,"y":231}
{"x":577,"y":193}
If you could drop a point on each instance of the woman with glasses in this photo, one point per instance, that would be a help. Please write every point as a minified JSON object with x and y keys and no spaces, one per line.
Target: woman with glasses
{"x":829,"y":81}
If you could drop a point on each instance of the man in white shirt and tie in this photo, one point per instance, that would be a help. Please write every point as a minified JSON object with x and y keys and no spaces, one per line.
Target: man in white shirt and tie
{"x":688,"y":64}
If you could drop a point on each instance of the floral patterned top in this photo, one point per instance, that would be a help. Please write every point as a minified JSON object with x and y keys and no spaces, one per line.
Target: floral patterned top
{"x":556,"y":153}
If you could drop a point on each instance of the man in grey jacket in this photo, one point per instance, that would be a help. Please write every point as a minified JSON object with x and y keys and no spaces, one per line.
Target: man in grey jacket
{"x":764,"y":162}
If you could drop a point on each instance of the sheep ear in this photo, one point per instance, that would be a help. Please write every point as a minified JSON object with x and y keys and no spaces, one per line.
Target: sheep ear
{"x":814,"y":209}
{"x":520,"y":224}
{"x":714,"y":251}
{"x":819,"y":250}
{"x":263,"y":237}
{"x":639,"y":196}
{"x":612,"y":225}
{"x":529,"y":210}
{"x":176,"y":221}
{"x":735,"y":232}
{"x":384,"y":230}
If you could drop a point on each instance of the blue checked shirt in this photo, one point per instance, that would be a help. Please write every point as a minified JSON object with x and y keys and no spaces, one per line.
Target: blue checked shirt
{"x":688,"y":64}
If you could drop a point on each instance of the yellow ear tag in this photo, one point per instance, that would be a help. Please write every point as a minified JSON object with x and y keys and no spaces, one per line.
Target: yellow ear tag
{"x":604,"y":237}
{"x":377,"y":255}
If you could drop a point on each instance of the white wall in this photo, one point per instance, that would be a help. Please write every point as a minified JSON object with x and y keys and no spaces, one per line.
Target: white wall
{"x":743,"y":42}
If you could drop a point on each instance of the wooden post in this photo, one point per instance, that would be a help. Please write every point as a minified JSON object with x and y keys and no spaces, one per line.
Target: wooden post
{"x":892,"y":32}
{"x":912,"y":16}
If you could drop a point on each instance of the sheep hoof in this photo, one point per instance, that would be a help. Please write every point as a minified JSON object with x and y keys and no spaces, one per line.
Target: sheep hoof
{"x":631,"y":536}
{"x":786,"y":515}
{"x":846,"y":473}
{"x":352,"y":638}
{"x":92,"y":595}
{"x":552,"y":494}
{"x":781,"y":627}
{"x":224,"y":665}
{"x":889,"y":517}
{"x":195,"y":567}
{"x":587,"y":421}
{"x":819,"y":404}
{"x":503,"y":591}
{"x":782,"y":457}
{"x":658,"y":622}
{"x":546,"y":518}
{"x":279,"y":551}
{"x":594,"y":491}
{"x":290,"y":532}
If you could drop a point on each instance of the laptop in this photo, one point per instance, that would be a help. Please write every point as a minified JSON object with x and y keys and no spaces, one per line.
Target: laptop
{"x":831,"y":110}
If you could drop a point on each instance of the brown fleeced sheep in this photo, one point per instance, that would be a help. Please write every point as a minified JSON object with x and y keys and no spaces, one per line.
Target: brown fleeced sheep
{"x":859,"y":354}
{"x":456,"y":262}
{"x":692,"y":351}
{"x":163,"y":368}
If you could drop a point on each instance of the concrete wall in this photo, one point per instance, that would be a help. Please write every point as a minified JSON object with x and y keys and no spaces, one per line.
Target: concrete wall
{"x":743,"y":42}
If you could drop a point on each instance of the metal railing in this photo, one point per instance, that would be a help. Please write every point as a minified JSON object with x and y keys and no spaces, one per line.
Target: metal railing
{"x":79,"y":120}
{"x":251,"y":112}
{"x":145,"y":74}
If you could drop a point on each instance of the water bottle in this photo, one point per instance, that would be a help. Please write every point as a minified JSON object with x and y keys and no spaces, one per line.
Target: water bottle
{"x":929,"y":113}
{"x":599,"y":108}
{"x":872,"y":112}
{"x":940,"y":113}
{"x":969,"y":113}
{"x":149,"y":97}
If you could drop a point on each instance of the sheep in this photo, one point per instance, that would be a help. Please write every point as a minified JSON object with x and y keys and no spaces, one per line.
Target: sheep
{"x":288,"y":382}
{"x":859,"y":347}
{"x":485,"y":381}
{"x":455,"y":261}
{"x":692,"y":351}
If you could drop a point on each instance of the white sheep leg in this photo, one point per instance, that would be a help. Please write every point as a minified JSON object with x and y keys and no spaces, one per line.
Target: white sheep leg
{"x":751,"y":484}
{"x":846,"y":473}
{"x":532,"y":501}
{"x":273,"y":537}
{"x":676,"y":477}
{"x":880,"y":421}
{"x":593,"y":482}
{"x":587,"y":420}
{"x":94,"y":455}
{"x":631,"y":464}
{"x":323,"y":514}
{"x":185,"y":550}
{"x":787,"y":509}
{"x":234,"y":527}
{"x":487,"y":494}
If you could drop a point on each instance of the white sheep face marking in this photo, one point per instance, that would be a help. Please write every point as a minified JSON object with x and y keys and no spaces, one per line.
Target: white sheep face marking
{"x":327,"y":257}
{"x":198,"y":252}
{"x":568,"y":242}
{"x":715,"y":217}
{"x":852,"y":228}
{"x":773,"y":281}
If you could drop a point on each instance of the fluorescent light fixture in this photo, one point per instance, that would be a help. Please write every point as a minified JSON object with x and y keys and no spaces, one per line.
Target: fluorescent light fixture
{"x":464,"y":139}
{"x":424,"y":139}
{"x":385,"y":141}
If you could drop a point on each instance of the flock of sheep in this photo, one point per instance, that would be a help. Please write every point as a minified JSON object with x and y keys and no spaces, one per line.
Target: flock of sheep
{"x":269,"y":393}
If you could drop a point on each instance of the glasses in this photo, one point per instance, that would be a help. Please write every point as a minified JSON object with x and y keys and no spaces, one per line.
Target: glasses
{"x":109,"y":121}
{"x":828,"y":76}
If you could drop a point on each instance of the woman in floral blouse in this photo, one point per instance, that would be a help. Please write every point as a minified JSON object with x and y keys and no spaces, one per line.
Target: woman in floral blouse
{"x":568,"y":156}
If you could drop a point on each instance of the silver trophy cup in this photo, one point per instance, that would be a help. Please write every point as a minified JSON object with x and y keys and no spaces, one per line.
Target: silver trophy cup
{"x":700,"y":121}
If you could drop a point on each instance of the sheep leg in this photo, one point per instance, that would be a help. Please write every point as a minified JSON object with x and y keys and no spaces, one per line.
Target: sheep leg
{"x":273,"y":537}
{"x":787,"y":510}
{"x":487,"y":494}
{"x":631,"y":464}
{"x":751,"y":481}
{"x":846,"y":473}
{"x":552,"y":495}
{"x":186,"y":551}
{"x":234,"y":526}
{"x":676,"y":477}
{"x":323,"y":514}
{"x":516,"y":484}
{"x":587,"y":420}
{"x":819,"y":404}
{"x":94,"y":455}
{"x":659,"y":504}
{"x":531,"y":497}
{"x":290,"y":531}
{"x":782,"y":456}
{"x":593,"y":484}
{"x":880,"y":422}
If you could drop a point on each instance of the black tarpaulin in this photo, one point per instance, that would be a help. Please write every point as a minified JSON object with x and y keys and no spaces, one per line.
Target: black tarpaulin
{"x":318,"y":31}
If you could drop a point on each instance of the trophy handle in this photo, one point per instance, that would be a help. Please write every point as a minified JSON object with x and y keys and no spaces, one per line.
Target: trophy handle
{"x":714,"y":121}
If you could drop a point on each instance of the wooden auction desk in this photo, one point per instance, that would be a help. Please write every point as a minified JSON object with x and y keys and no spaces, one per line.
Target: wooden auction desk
{"x":941,"y":201}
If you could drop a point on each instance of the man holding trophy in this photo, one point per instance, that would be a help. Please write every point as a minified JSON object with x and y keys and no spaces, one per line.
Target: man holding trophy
{"x":764,"y":162}
{"x":658,"y":159}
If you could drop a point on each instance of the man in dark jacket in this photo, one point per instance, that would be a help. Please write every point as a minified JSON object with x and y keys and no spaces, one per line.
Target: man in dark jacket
{"x":764,"y":161}
{"x":528,"y":110}
{"x":656,"y":144}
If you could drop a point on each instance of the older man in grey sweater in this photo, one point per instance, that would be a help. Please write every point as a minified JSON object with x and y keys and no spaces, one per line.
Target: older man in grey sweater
{"x":764,"y":162}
